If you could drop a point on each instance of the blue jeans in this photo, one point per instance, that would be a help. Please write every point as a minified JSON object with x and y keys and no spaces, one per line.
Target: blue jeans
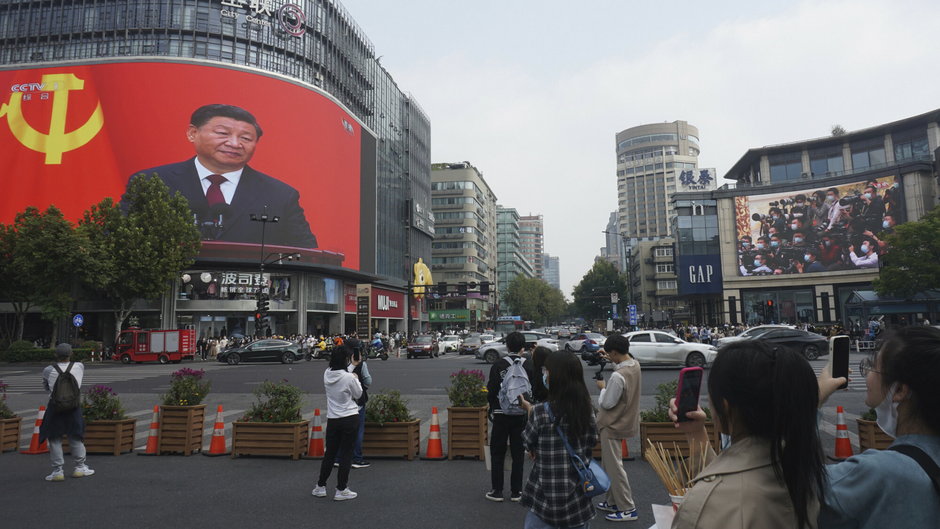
{"x":357,"y":448}
{"x":532,"y":521}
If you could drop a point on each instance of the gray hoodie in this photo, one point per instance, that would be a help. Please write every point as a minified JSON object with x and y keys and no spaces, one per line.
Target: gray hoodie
{"x":342,"y":390}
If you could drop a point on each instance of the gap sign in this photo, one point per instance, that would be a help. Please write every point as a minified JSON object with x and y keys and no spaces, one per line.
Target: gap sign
{"x":699,"y":274}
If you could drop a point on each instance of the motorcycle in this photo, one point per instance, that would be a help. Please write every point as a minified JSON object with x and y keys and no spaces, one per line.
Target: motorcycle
{"x":377,"y":349}
{"x":321,"y":350}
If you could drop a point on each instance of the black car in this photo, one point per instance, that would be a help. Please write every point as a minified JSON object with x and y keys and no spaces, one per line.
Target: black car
{"x":263,"y":351}
{"x":809,"y":344}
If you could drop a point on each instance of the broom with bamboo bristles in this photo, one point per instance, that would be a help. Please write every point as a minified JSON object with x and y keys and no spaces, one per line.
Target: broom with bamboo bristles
{"x":676,"y":474}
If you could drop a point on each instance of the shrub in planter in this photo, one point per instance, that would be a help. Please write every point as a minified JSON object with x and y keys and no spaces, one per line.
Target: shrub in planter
{"x":5,"y":411}
{"x":273,"y":425}
{"x":387,"y":406}
{"x":100,"y":403}
{"x":9,"y":423}
{"x":188,"y":387}
{"x":656,"y":426}
{"x":107,"y":429}
{"x":467,"y":389}
{"x":870,"y":435}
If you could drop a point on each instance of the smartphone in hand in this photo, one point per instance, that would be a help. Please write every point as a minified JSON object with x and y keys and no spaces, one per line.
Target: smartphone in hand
{"x":839,"y":347}
{"x":690,"y":384}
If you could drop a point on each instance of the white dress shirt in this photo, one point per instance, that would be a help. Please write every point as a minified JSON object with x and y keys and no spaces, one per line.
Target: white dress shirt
{"x":228,"y":188}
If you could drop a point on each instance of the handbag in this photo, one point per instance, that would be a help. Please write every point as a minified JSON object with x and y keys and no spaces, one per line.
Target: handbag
{"x":594,"y":481}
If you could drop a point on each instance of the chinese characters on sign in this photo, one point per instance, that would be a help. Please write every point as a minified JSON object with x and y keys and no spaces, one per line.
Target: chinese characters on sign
{"x":697,"y":178}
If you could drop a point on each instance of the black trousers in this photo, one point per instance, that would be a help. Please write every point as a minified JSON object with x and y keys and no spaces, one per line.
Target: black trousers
{"x":507,"y":428}
{"x":340,"y":438}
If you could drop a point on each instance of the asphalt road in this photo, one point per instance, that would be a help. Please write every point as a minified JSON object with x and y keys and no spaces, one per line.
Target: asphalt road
{"x":258,"y":492}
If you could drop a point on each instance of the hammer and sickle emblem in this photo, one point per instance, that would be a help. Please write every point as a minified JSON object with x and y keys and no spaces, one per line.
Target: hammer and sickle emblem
{"x":56,"y":141}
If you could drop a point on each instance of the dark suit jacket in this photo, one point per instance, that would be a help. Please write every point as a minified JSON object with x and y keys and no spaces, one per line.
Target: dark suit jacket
{"x":255,"y":191}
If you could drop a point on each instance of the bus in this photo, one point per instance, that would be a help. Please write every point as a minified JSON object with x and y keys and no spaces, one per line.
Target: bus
{"x":508,"y":324}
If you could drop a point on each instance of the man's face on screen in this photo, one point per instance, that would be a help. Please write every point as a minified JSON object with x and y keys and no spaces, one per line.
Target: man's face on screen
{"x":224,"y":144}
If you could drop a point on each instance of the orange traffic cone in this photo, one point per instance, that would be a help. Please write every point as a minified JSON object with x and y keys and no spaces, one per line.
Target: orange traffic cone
{"x":153,"y":439}
{"x":316,"y":449}
{"x":217,"y":445}
{"x":624,"y":451}
{"x":35,"y":447}
{"x":843,"y":445}
{"x":435,"y":449}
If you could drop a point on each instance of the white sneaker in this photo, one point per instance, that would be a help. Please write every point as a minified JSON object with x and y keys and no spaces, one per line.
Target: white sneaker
{"x":56,"y":475}
{"x":82,"y":471}
{"x":346,"y":494}
{"x":319,"y":492}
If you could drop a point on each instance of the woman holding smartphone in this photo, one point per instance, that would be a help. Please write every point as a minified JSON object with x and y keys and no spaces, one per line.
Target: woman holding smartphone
{"x":891,"y":488}
{"x":772,"y":475}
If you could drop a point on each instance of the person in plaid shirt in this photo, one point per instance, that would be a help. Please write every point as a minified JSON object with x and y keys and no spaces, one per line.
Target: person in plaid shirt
{"x":552,"y":493}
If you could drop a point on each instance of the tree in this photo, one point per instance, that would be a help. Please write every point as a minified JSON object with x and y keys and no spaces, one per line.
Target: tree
{"x":838,"y":130}
{"x":42,"y":259}
{"x":534,"y":300}
{"x":592,"y":294}
{"x":913,"y":262}
{"x":137,"y":254}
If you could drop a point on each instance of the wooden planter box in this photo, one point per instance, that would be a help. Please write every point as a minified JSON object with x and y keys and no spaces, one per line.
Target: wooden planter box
{"x":870,"y":435}
{"x":466,"y":432}
{"x":181,"y":429}
{"x":270,"y":438}
{"x":667,"y":434}
{"x":392,"y":439}
{"x":10,"y":434}
{"x":110,"y":437}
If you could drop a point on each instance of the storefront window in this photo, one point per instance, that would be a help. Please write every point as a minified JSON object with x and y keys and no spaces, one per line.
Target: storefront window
{"x":782,"y":306}
{"x":215,"y":285}
{"x":322,"y":293}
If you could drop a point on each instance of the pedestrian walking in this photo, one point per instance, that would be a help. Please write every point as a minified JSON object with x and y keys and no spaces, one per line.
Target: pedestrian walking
{"x":342,"y":422}
{"x":508,"y":416}
{"x":618,"y":419}
{"x":553,"y":492}
{"x":62,"y":417}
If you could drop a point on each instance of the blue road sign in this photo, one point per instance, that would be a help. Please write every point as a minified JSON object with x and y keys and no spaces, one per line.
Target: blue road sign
{"x":78,"y":320}
{"x":632,"y":310}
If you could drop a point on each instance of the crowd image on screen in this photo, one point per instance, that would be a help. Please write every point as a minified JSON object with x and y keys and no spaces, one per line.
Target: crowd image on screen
{"x":823,"y":230}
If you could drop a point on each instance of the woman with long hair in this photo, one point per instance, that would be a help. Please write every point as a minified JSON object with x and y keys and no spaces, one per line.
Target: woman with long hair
{"x":892,"y":488}
{"x":773,"y":474}
{"x":553,"y":493}
{"x":539,"y":391}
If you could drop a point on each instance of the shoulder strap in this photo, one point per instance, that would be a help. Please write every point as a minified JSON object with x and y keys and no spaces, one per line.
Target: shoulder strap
{"x":57,"y":368}
{"x":575,"y":458}
{"x":69,"y":368}
{"x":922,"y":459}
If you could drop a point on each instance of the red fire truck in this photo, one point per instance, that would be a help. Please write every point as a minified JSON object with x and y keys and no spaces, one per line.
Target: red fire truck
{"x":140,"y":345}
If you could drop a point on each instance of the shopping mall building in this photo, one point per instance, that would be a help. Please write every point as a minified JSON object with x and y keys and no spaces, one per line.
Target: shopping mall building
{"x":801,"y":228}
{"x":109,"y":87}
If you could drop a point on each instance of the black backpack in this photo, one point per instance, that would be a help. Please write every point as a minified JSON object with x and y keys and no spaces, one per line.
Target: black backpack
{"x":65,"y":393}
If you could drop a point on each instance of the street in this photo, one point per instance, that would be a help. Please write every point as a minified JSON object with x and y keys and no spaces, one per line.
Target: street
{"x":257,"y":491}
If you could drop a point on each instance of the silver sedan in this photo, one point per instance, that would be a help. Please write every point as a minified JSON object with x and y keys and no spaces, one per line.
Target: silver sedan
{"x":656,"y":347}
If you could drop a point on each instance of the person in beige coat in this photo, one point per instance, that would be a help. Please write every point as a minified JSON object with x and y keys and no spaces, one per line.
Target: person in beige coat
{"x":618,"y":418}
{"x":773,"y":474}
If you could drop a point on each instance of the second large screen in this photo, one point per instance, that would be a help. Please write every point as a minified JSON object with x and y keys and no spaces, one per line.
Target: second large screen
{"x":817,"y":230}
{"x":74,"y":135}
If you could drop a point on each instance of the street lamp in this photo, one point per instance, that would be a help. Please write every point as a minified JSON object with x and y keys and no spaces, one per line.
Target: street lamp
{"x":626,"y":262}
{"x":263,"y":259}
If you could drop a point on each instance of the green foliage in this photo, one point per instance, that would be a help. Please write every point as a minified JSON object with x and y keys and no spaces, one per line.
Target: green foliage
{"x":136,"y":255}
{"x":5,"y":411}
{"x":187,"y":388}
{"x":534,"y":300}
{"x":387,"y":406}
{"x":660,"y":412}
{"x":912,"y":265}
{"x":467,"y":389}
{"x":100,"y":403}
{"x":277,"y":402}
{"x":592,"y":294}
{"x":26,"y":352}
{"x":870,"y":415}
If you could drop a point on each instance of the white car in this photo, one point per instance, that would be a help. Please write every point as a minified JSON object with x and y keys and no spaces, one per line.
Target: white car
{"x":492,"y":352}
{"x":751,"y":333}
{"x":449,"y":343}
{"x":487,"y":338}
{"x":593,"y":340}
{"x":657,"y":347}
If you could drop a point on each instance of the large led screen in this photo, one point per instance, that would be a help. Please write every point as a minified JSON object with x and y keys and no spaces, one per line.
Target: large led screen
{"x":823,"y":229}
{"x":235,"y":143}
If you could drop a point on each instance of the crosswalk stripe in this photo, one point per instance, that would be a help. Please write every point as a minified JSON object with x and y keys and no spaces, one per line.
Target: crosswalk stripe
{"x":854,"y":384}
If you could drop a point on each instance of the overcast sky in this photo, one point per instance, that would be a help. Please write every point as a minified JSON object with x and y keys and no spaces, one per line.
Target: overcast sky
{"x":532,"y":93}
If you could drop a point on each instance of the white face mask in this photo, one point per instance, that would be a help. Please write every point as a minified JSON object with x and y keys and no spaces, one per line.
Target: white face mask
{"x":888,"y":413}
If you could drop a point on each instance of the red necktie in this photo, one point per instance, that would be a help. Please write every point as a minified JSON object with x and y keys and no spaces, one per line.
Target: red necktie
{"x":214,"y":194}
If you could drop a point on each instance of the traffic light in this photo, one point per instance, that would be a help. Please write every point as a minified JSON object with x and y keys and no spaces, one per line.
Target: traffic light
{"x":770,"y":303}
{"x":442,"y":288}
{"x":263,"y":304}
{"x":461,"y":289}
{"x":484,"y":288}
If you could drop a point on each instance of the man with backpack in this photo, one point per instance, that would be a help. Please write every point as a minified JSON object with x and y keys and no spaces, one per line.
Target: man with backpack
{"x":509,"y":378}
{"x":64,"y":413}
